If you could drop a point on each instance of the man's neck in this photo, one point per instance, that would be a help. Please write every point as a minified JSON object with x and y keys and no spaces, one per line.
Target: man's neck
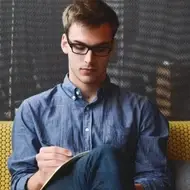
{"x":89,"y":91}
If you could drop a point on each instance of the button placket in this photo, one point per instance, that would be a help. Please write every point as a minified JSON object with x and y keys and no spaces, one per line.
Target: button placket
{"x":87,"y":127}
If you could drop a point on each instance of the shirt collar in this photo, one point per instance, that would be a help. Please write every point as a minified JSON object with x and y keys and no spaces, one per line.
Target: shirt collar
{"x":73,"y":92}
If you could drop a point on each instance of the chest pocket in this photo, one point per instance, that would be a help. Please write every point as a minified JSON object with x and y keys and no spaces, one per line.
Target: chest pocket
{"x":114,"y":133}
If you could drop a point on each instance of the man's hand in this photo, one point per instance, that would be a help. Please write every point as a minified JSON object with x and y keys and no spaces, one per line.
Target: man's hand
{"x":48,"y":159}
{"x":138,"y":187}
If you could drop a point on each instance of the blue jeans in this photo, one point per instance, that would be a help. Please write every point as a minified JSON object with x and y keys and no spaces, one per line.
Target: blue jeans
{"x":104,"y":168}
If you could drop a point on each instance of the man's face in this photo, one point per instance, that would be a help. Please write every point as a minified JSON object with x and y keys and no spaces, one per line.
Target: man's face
{"x":88,"y":52}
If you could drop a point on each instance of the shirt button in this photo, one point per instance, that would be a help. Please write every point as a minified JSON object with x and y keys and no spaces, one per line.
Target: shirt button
{"x":87,"y":108}
{"x":87,"y":129}
{"x":77,"y":92}
{"x":74,"y":97}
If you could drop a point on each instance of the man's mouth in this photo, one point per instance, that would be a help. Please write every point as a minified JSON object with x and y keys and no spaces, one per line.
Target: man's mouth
{"x":87,"y":71}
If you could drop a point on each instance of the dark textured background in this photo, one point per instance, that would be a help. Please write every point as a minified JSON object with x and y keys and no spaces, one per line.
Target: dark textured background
{"x":152,"y":56}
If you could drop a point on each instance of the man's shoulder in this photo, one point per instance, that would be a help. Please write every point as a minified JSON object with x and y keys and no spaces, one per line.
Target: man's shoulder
{"x":130,"y":97}
{"x":142,"y":105}
{"x":43,"y":98}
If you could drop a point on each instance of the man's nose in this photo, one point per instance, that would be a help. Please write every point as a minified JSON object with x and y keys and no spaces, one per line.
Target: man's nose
{"x":88,"y":57}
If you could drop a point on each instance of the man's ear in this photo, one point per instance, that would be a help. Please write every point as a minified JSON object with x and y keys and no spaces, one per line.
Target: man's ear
{"x":64,"y":44}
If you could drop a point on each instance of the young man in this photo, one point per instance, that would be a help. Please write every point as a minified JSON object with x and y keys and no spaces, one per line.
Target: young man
{"x":87,"y":111}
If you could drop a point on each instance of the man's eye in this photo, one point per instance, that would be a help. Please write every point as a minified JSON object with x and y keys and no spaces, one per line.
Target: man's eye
{"x":79,"y":47}
{"x":101,"y":49}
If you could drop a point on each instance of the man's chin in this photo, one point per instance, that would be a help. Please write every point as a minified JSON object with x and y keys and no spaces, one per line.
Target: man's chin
{"x":90,"y":80}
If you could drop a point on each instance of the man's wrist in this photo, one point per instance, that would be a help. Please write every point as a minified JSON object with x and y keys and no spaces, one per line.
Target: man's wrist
{"x":34,"y":182}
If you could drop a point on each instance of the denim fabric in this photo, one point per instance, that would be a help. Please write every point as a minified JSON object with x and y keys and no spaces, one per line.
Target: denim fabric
{"x":61,"y":117}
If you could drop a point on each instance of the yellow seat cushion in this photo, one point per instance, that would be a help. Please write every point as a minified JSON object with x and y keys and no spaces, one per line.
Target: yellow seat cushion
{"x":5,"y":151}
{"x":179,"y":140}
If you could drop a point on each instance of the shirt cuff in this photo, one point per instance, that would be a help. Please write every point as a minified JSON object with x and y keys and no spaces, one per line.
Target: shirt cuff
{"x":21,"y":184}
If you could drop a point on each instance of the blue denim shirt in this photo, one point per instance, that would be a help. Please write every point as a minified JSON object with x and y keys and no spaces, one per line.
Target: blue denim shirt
{"x":61,"y":117}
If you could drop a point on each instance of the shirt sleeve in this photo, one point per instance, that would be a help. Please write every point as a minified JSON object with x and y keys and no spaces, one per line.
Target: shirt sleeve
{"x":25,"y":145}
{"x":152,"y":170}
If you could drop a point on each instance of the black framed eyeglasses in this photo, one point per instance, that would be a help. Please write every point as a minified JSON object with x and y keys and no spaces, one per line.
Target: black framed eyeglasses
{"x":98,"y":50}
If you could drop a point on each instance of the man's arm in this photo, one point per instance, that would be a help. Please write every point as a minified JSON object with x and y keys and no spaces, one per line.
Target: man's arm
{"x":151,"y":155}
{"x":25,"y":146}
{"x":31,"y":164}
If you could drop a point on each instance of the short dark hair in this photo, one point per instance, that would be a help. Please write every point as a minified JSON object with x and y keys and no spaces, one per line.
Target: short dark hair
{"x":92,"y":13}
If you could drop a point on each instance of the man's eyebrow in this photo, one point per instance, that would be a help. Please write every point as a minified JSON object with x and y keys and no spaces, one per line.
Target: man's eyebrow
{"x":98,"y":44}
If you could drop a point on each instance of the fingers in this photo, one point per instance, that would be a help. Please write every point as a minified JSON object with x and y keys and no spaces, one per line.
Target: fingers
{"x":56,"y":150}
{"x":52,"y":156}
{"x":49,"y":158}
{"x":50,"y":164}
